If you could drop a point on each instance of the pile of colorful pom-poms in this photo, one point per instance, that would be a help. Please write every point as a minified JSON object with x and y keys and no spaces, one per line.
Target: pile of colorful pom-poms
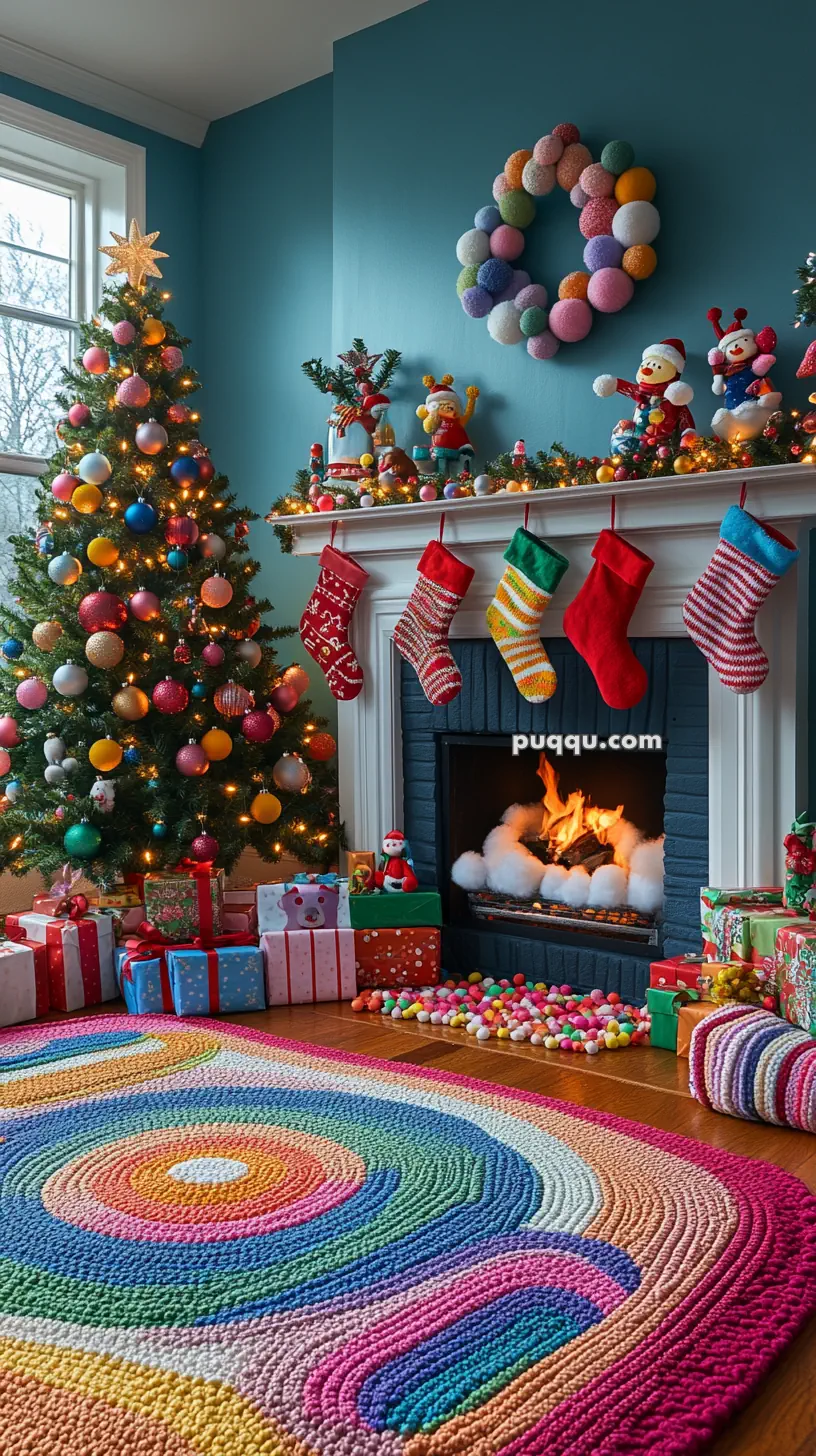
{"x":555,"y":1017}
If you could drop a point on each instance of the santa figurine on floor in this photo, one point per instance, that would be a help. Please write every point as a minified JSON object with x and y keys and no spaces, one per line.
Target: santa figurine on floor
{"x":741,"y":362}
{"x":395,"y":873}
{"x":661,"y":398}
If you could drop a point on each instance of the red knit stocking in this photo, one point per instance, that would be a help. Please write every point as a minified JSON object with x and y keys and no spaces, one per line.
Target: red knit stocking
{"x":597,"y":621}
{"x":421,"y":634}
{"x":325,"y":622}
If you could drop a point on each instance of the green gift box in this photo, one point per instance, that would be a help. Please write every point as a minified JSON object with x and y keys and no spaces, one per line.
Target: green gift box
{"x":763,"y":929}
{"x":186,"y":904}
{"x":663,"y":1007}
{"x":386,"y":911}
{"x":796,"y":974}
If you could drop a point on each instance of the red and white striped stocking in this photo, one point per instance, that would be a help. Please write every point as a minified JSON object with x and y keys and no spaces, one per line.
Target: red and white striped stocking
{"x":421,"y":634}
{"x":720,"y":610}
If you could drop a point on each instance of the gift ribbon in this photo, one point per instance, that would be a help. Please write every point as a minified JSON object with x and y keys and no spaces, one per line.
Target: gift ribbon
{"x":150,"y":947}
{"x":153,"y":945}
{"x":201,"y":874}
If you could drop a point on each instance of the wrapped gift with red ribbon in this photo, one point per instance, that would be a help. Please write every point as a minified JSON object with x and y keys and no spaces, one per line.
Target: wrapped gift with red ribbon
{"x":53,"y":900}
{"x":23,"y":981}
{"x":80,"y":955}
{"x":226,"y":976}
{"x":309,"y":965}
{"x":141,"y":970}
{"x":185,"y":902}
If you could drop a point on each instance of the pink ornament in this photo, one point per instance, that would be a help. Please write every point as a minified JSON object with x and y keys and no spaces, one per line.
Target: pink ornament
{"x":9,"y":737}
{"x":181,"y":531}
{"x":123,"y":333}
{"x":427,"y":492}
{"x":59,"y":812}
{"x":507,"y":243}
{"x":63,"y":486}
{"x":610,"y":289}
{"x":325,"y":502}
{"x":192,"y":761}
{"x":78,"y":415}
{"x":596,"y":218}
{"x":257,"y":726}
{"x":578,"y":196}
{"x":170,"y":696}
{"x":284,"y":697}
{"x":500,"y":186}
{"x":298,"y":678}
{"x":213,"y":655}
{"x":102,"y":611}
{"x":5,"y":762}
{"x":663,"y":452}
{"x":172,"y":359}
{"x":621,"y":473}
{"x":178,"y":414}
{"x":204,"y":848}
{"x":145,"y":605}
{"x":32,"y":693}
{"x":96,"y":360}
{"x":570,"y":319}
{"x":548,"y":150}
{"x":596,"y":181}
{"x":134,"y":392}
{"x":543,"y":345}
{"x":533,"y":296}
{"x":315,"y":490}
{"x":216,"y":591}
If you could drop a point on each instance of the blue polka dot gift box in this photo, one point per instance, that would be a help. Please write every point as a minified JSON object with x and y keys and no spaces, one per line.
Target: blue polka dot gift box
{"x":143,"y":979}
{"x":229,"y":978}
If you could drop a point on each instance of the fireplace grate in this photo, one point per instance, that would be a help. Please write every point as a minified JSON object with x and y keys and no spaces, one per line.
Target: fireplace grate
{"x":622,"y":921}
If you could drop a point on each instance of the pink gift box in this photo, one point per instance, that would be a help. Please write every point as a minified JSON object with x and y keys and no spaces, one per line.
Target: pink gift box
{"x":309,"y":965}
{"x":23,"y":981}
{"x":80,"y":956}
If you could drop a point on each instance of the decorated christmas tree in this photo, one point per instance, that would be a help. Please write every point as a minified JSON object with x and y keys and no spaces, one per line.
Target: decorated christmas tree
{"x":144,"y":718}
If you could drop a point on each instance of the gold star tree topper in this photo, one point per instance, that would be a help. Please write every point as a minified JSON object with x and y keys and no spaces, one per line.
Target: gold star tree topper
{"x":134,"y":255}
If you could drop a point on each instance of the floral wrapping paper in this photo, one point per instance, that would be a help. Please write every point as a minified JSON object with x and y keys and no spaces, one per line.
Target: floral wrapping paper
{"x":796,"y":975}
{"x":730,"y":931}
{"x":172,"y":903}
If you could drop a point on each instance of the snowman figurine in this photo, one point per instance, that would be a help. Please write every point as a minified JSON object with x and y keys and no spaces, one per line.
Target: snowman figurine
{"x":661,"y":398}
{"x":396,"y":872}
{"x":741,"y":362}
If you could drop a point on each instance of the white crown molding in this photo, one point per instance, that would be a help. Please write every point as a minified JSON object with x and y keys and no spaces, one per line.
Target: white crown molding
{"x":68,"y":80}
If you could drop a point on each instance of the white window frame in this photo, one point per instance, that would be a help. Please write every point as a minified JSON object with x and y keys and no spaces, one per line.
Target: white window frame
{"x":105,"y":178}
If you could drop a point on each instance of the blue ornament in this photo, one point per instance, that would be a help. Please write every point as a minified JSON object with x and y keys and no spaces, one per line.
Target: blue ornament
{"x":451,"y":490}
{"x":198,"y":690}
{"x":12,"y":648}
{"x":152,"y":783}
{"x":141,"y":517}
{"x":45,"y":544}
{"x":177,"y":558}
{"x":184,"y":470}
{"x":494,"y":275}
{"x":159,"y":830}
{"x":132,"y":755}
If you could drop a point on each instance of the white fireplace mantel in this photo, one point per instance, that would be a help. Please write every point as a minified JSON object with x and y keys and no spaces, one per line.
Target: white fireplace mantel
{"x":752,"y":740}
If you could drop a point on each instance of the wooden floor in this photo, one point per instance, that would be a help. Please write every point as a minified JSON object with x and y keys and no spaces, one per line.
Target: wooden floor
{"x":646,"y":1084}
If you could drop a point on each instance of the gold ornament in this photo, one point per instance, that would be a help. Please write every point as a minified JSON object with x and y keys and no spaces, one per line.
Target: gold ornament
{"x":46,"y":635}
{"x":130,"y":703}
{"x":683,"y":465}
{"x":101,"y":551}
{"x":153,"y":330}
{"x":216,"y":744}
{"x":87,"y":499}
{"x":133,"y":255}
{"x":104,"y":649}
{"x":105,"y":754}
{"x":265,"y":808}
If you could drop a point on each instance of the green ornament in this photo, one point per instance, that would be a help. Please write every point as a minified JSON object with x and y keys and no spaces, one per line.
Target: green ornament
{"x":466,"y":279}
{"x":82,"y":841}
{"x":533,"y":321}
{"x":617,"y":157}
{"x":517,"y":208}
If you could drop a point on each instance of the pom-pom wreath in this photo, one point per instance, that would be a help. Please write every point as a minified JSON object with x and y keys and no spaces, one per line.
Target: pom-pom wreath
{"x":500,"y":187}
{"x":82,"y":841}
{"x":543,"y":346}
{"x":487,"y":219}
{"x":217,"y":744}
{"x":70,"y":680}
{"x":79,"y":414}
{"x":265,"y":808}
{"x":575,"y":158}
{"x":640,"y":261}
{"x":64,"y":569}
{"x":216,"y":591}
{"x":133,"y":392}
{"x":578,"y":197}
{"x":477,"y":302}
{"x":87,"y":499}
{"x":31,"y":693}
{"x":602,"y":252}
{"x":145,"y":605}
{"x":123,"y":333}
{"x":514,"y":166}
{"x":101,"y":551}
{"x":63,"y":486}
{"x":507,"y":243}
{"x":517,"y":208}
{"x":570,"y":320}
{"x":636,"y":184}
{"x":46,"y":635}
{"x":574,"y":285}
{"x":617,"y":157}
{"x":258,"y":726}
{"x":95,"y":360}
{"x":101,"y":611}
{"x":503,"y":324}
{"x":610,"y":289}
{"x":171,"y":359}
{"x":322,"y":747}
{"x":140,"y":517}
{"x":538,"y":178}
{"x":596,"y":218}
{"x":519,"y":280}
{"x":94,"y":468}
{"x":192,"y":761}
{"x":104,"y":649}
{"x":548,"y":150}
{"x":130,"y":704}
{"x":105,"y":755}
{"x":212,"y":546}
{"x":473,"y":248}
{"x":636,"y":222}
{"x":169,"y":696}
{"x":494,"y":275}
{"x":533,"y":321}
{"x":151,"y":437}
{"x":568,"y":132}
{"x":597,"y":181}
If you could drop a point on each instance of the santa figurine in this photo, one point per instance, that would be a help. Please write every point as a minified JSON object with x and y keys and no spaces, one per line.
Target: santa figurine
{"x":395,"y":874}
{"x":661,"y":398}
{"x":741,"y":363}
{"x":445,"y":418}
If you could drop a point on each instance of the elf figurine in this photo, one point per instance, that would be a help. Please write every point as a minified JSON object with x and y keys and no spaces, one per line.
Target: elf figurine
{"x":741,"y":363}
{"x":444,"y":419}
{"x":395,"y":874}
{"x":661,"y":398}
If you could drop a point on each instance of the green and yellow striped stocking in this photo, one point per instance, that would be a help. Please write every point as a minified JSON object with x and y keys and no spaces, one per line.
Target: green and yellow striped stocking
{"x":514,"y":616}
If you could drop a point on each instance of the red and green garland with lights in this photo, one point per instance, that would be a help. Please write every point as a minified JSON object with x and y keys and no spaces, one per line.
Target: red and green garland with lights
{"x":143,"y":715}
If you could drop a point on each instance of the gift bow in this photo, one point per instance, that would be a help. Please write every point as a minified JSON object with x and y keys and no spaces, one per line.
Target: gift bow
{"x":71,"y":907}
{"x":303,"y":878}
{"x":151,"y":944}
{"x":65,"y":885}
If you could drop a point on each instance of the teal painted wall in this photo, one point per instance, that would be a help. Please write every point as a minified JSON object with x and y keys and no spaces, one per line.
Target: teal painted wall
{"x":173,"y":196}
{"x":267,"y":231}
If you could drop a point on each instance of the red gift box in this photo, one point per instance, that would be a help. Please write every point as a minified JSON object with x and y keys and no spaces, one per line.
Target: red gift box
{"x":682,"y":973}
{"x":23,"y":981}
{"x":80,"y":956}
{"x":404,"y":956}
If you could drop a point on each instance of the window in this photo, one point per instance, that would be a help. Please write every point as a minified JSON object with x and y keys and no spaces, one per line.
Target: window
{"x":63,"y":187}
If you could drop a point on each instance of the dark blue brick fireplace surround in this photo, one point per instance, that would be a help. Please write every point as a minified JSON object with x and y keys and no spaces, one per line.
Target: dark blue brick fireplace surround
{"x":675,"y":706}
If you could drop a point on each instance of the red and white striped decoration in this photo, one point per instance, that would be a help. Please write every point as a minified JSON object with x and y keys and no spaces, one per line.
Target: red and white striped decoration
{"x":720,"y":611}
{"x":421,"y":634}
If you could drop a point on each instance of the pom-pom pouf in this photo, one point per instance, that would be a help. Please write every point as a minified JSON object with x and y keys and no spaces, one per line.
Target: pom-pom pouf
{"x":749,"y":1063}
{"x":217,"y":1241}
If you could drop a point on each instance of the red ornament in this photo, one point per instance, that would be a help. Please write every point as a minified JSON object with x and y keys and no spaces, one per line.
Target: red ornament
{"x":213,"y":655}
{"x":621,"y":473}
{"x":145,"y":605}
{"x":284,"y":697}
{"x":325,"y":502}
{"x":252,"y":626}
{"x":241,"y":530}
{"x":181,"y":652}
{"x":181,"y":531}
{"x":206,"y":469}
{"x":191,"y":760}
{"x":746,"y":458}
{"x":796,"y":449}
{"x":231,"y":700}
{"x":322,"y":747}
{"x":102,"y":611}
{"x":204,"y":848}
{"x":258,"y":727}
{"x":297,"y":677}
{"x":170,"y":696}
{"x":178,"y":414}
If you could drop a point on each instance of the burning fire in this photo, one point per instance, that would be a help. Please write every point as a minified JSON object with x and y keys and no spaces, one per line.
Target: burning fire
{"x":567,"y":820}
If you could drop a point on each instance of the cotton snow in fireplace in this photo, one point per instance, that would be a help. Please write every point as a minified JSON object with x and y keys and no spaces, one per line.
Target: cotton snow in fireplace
{"x":566,"y":862}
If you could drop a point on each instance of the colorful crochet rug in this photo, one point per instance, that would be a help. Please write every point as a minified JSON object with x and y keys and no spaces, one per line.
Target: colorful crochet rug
{"x":217,"y":1243}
